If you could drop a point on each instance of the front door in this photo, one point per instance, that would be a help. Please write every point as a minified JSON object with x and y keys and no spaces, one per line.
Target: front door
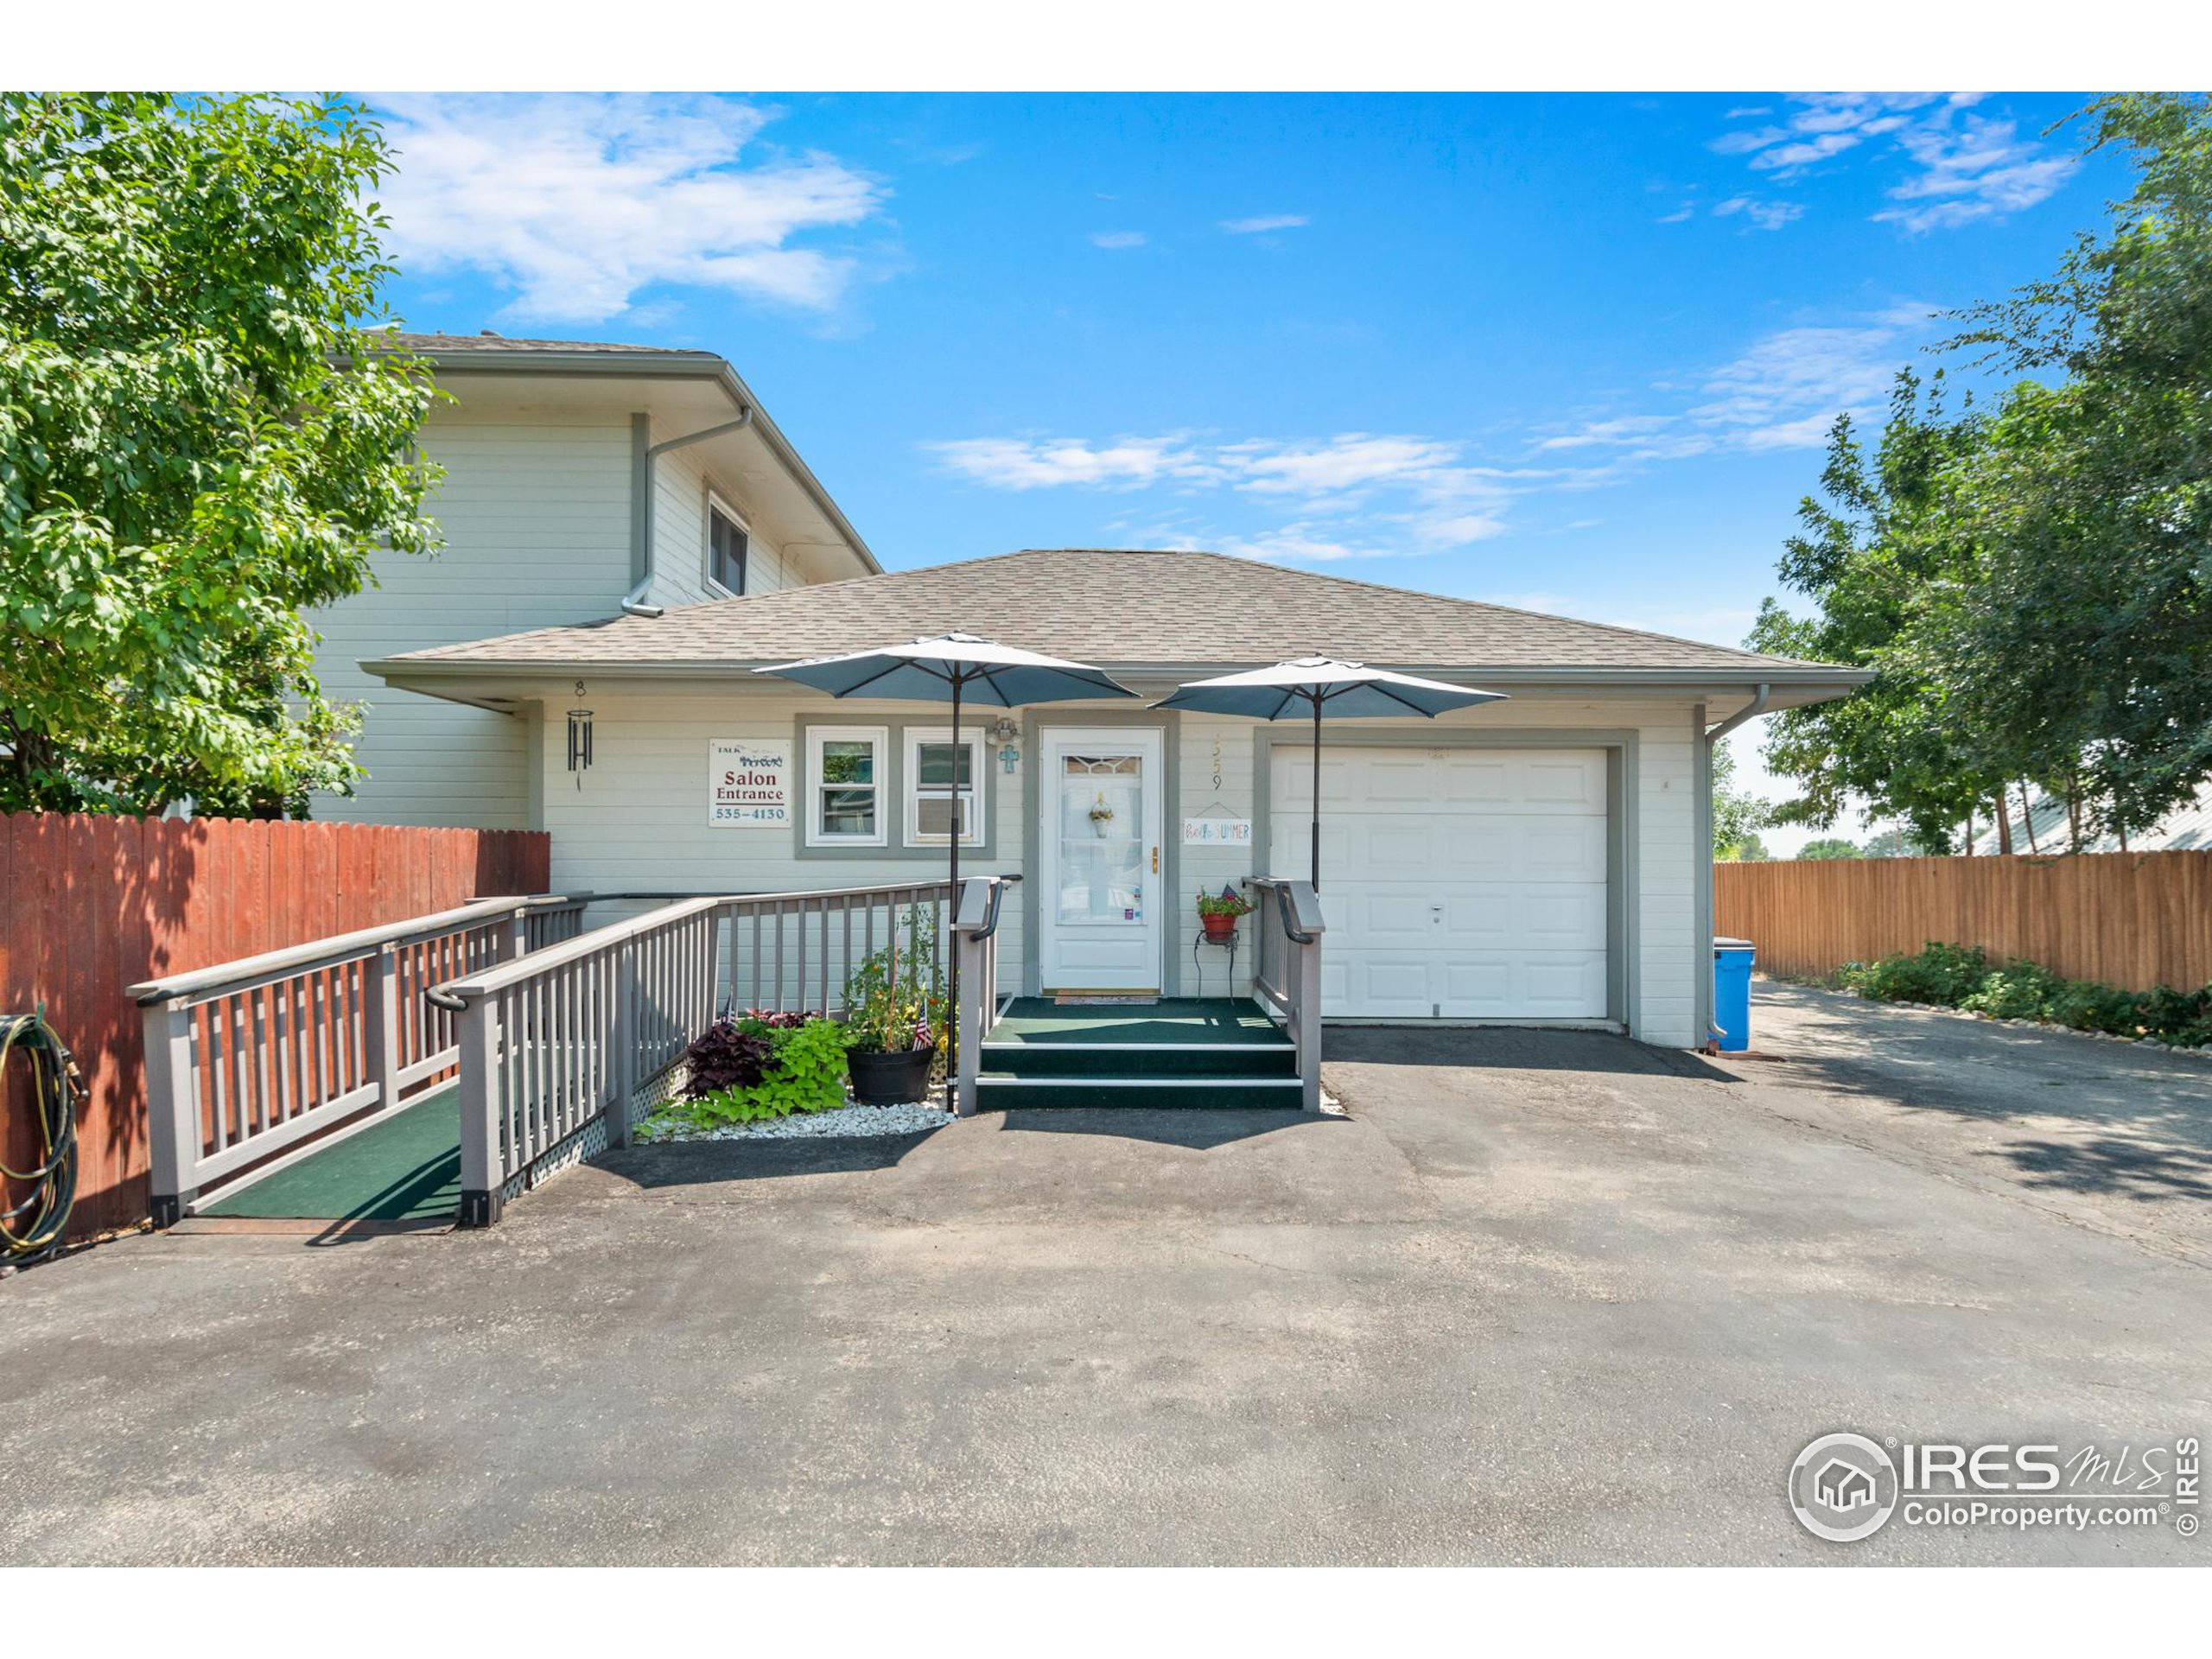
{"x":1102,"y":906}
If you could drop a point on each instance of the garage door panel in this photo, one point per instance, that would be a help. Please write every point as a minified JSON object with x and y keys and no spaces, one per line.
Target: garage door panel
{"x":1471,"y":883}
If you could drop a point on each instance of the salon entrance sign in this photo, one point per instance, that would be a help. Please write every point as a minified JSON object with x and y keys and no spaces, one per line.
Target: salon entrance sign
{"x":748,"y":784}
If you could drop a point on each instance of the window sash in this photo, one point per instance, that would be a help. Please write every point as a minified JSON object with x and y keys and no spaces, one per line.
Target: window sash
{"x":730,"y":548}
{"x":929,"y":803}
{"x":828,"y":796}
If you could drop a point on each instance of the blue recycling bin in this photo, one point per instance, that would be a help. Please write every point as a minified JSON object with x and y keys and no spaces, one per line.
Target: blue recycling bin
{"x":1732,"y":993}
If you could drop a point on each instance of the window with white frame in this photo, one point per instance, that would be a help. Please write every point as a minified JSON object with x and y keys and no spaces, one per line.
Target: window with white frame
{"x":729,"y":542}
{"x":941,"y":778}
{"x":844,"y":780}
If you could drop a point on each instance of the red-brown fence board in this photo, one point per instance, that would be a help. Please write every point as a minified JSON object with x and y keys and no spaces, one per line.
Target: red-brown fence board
{"x":91,"y":904}
{"x":2134,"y":919}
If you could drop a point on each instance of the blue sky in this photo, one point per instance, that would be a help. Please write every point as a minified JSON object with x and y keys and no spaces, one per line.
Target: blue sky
{"x":1572,"y":353}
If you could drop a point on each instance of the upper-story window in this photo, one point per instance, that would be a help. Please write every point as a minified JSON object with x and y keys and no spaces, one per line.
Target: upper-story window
{"x":728,"y":542}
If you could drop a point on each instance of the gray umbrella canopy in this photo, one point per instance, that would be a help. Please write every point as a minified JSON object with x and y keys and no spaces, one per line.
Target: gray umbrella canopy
{"x":951,"y":668}
{"x":1314,"y":686}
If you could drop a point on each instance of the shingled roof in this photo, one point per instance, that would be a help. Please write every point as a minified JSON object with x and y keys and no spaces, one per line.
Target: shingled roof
{"x":1112,"y":607}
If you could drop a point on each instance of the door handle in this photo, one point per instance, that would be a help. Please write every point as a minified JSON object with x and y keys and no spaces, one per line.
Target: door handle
{"x":1156,"y":861}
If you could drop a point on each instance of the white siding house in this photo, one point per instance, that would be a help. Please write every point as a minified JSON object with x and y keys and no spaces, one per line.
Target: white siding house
{"x":1540,"y":860}
{"x":543,"y":445}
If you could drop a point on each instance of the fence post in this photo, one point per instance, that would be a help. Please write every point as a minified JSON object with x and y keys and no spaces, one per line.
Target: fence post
{"x":624,"y":1056}
{"x":482,"y":1174}
{"x":172,"y":1108}
{"x":380,"y":1036}
{"x":971,"y":943}
{"x":1304,"y":944}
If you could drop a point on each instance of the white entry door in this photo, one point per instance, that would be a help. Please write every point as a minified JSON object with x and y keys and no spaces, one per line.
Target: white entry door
{"x":1101,"y":909}
{"x":1458,"y":883}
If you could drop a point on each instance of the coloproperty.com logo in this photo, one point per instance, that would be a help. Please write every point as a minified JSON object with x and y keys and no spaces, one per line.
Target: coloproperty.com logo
{"x":1845,"y":1487}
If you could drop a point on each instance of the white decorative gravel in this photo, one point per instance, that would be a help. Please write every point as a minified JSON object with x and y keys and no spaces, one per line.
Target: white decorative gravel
{"x":843,"y":1121}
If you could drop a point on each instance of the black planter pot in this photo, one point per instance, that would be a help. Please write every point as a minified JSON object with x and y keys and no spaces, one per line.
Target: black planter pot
{"x":889,"y":1079}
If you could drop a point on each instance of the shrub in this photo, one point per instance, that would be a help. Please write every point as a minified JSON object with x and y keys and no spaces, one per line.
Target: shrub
{"x":1945,"y":973}
{"x":2020,"y":991}
{"x":2086,"y":1006}
{"x":728,"y":1054}
{"x":1961,"y":976}
{"x":774,"y":1065}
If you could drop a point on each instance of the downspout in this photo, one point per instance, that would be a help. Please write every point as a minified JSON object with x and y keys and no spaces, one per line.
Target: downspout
{"x":644,"y":455}
{"x":1751,"y":710}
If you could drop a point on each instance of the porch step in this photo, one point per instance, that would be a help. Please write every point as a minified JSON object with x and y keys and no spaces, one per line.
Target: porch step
{"x":998,"y":1092}
{"x":1133,"y":1061}
{"x":1182,"y":1052}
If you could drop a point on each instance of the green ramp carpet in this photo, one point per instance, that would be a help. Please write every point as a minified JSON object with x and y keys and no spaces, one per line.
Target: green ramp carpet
{"x":407,"y":1168}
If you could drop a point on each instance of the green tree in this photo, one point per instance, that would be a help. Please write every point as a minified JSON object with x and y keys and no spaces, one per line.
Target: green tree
{"x":1737,"y":815}
{"x":198,"y":444}
{"x":1890,"y":843}
{"x":2088,"y":632}
{"x":1873,"y":556}
{"x":1829,"y":847}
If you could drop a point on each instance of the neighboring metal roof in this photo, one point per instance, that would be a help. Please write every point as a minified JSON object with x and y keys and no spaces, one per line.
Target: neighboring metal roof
{"x":492,"y":353}
{"x":1124,"y":606}
{"x":2185,"y":827}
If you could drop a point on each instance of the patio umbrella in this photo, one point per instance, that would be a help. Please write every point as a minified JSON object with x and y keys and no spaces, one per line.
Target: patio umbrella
{"x":1320,"y":685}
{"x":951,"y":668}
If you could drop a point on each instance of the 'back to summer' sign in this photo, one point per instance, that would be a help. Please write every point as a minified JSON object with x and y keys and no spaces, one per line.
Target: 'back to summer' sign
{"x":748,"y":784}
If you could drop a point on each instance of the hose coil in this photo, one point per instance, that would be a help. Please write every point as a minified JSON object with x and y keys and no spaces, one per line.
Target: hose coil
{"x":32,"y":1229}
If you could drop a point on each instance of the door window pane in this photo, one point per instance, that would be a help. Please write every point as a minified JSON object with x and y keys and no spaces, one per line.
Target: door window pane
{"x":1102,"y":851}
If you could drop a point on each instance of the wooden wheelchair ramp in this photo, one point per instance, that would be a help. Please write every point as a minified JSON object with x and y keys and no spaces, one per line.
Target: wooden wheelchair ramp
{"x":403,"y":1168}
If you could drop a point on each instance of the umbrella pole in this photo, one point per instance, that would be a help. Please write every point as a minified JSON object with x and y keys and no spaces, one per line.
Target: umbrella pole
{"x":959,"y":828}
{"x":1317,"y":792}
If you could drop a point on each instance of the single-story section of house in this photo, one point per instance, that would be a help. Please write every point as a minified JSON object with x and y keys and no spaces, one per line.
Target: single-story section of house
{"x":1546,"y":858}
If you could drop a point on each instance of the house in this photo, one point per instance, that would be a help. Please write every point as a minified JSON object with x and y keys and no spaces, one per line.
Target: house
{"x":1541,"y":859}
{"x":579,"y":479}
{"x":2046,"y":828}
{"x":1843,"y":1486}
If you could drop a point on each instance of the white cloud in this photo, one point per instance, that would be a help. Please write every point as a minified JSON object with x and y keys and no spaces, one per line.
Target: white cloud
{"x":1031,"y":464}
{"x":1350,"y":460}
{"x":1767,"y":215}
{"x":1782,"y":392}
{"x":1976,"y":169}
{"x":1264,"y":223}
{"x":577,"y":203}
{"x":1968,"y":166}
{"x":1117,"y":239}
{"x":1356,"y":495}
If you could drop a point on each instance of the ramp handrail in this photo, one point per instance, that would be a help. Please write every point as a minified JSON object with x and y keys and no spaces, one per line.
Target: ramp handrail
{"x":974,"y":930}
{"x":559,"y":1049}
{"x":1287,"y":979}
{"x":249,"y":1062}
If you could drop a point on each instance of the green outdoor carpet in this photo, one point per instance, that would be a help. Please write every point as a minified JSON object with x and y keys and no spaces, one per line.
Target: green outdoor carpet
{"x":407,"y":1168}
{"x":1171,"y":1020}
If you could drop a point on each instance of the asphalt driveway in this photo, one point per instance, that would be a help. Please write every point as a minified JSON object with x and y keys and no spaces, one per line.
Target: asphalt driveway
{"x":1542,"y":1298}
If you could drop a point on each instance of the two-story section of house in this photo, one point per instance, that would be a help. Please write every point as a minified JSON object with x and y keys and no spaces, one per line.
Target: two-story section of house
{"x":581,"y":481}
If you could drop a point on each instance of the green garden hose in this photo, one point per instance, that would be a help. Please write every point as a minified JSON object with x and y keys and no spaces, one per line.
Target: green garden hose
{"x":32,"y":1229}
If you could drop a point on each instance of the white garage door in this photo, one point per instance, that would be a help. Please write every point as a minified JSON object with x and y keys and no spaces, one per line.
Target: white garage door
{"x":1460,"y":883}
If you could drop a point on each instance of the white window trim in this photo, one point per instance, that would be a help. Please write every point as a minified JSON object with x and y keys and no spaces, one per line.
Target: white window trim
{"x":816,"y":737}
{"x":716,"y":503}
{"x":910,"y":781}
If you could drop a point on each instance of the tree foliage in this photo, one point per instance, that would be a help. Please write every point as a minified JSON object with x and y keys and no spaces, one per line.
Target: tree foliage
{"x":1823,"y":846}
{"x":2032,"y":584}
{"x":1737,"y":815}
{"x":198,"y":444}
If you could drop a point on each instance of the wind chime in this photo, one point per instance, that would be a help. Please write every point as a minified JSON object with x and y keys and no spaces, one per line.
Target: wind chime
{"x":580,"y":739}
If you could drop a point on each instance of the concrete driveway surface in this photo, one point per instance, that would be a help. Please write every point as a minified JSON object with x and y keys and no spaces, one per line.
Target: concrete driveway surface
{"x":1545,"y":1297}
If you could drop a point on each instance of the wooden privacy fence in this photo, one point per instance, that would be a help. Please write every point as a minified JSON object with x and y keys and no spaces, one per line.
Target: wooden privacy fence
{"x":90,"y":904}
{"x":2132,"y":919}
